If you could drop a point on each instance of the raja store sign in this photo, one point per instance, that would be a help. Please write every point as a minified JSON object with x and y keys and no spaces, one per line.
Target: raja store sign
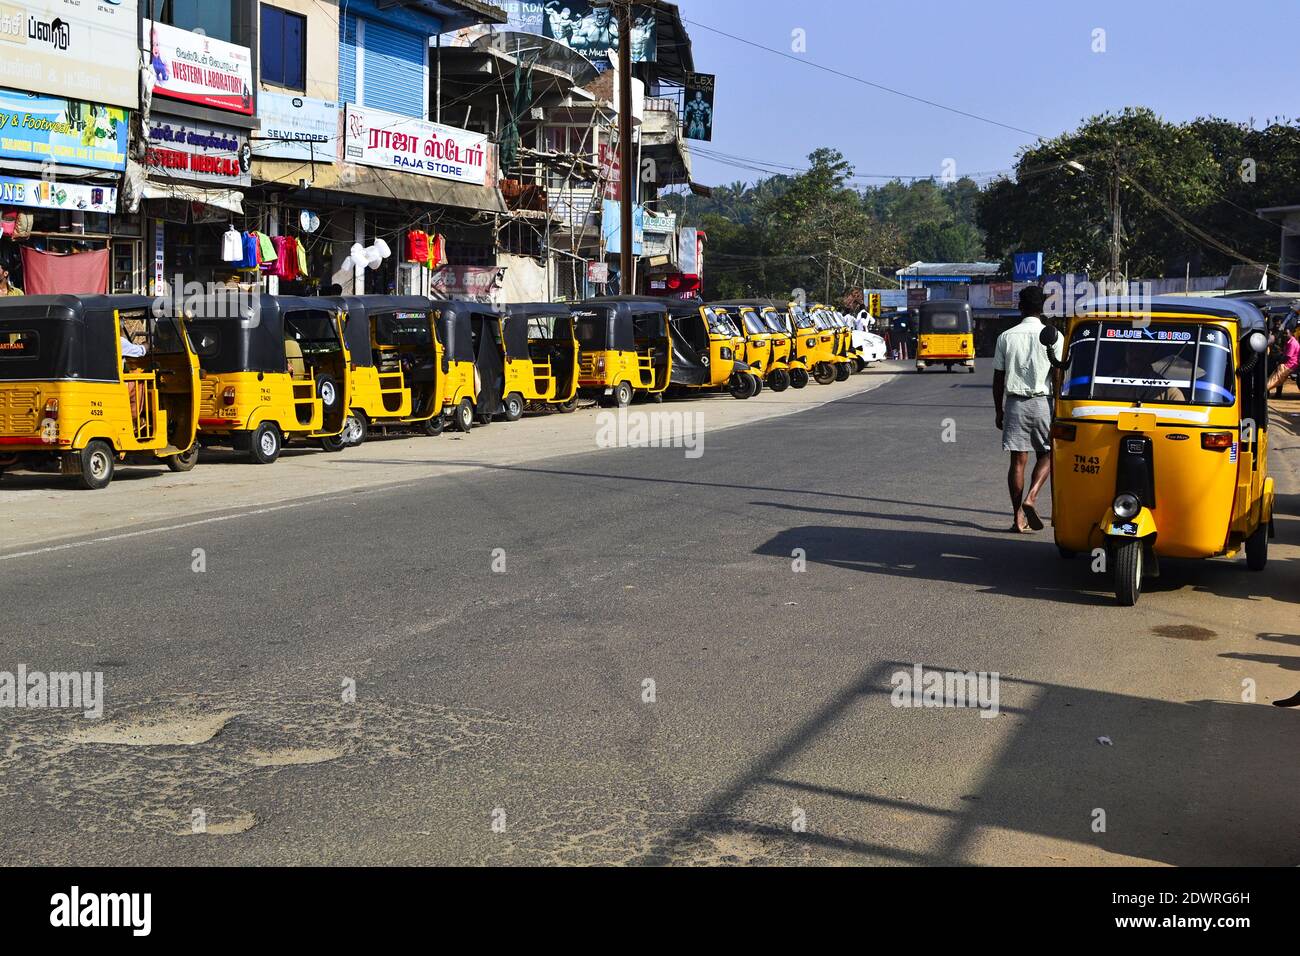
{"x":199,"y":152}
{"x":199,"y":69}
{"x":375,"y":138}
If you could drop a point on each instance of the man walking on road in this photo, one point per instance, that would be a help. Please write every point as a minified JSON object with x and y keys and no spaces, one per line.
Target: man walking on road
{"x":1022,"y":374}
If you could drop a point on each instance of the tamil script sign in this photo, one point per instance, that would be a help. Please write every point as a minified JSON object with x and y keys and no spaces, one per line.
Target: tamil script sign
{"x":375,"y":138}
{"x":199,"y":69}
{"x":82,"y":49}
{"x":69,"y":132}
{"x":199,"y":152}
{"x":296,"y":127}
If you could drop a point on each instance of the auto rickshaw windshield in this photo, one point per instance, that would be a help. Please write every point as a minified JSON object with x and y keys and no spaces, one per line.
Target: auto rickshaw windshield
{"x":753,"y":324}
{"x":720,"y":323}
{"x":775,"y":321}
{"x":1180,"y":363}
{"x":314,"y":332}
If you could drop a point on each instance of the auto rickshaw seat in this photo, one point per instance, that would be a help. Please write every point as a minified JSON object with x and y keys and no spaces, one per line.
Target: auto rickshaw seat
{"x":293,"y":355}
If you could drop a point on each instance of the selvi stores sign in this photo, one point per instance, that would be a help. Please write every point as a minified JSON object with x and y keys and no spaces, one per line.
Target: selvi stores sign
{"x":376,"y":138}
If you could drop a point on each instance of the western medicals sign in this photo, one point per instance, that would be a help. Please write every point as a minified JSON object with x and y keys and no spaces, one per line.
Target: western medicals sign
{"x":198,"y":152}
{"x":376,"y":138}
{"x":80,"y":49}
{"x":199,"y":69}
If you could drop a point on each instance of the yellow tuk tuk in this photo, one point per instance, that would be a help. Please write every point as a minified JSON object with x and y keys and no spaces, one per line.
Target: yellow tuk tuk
{"x":708,"y":350}
{"x":68,"y":394}
{"x":945,"y":335}
{"x":1160,"y":435}
{"x":623,"y":348}
{"x":541,"y":358}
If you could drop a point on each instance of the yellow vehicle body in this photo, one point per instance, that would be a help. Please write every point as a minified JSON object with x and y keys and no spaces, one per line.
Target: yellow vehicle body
{"x":624,"y":347}
{"x":760,"y":350}
{"x":1160,"y":438}
{"x":67,"y":393}
{"x":814,"y":344}
{"x":541,"y":357}
{"x":945,"y":335}
{"x":283,"y":374}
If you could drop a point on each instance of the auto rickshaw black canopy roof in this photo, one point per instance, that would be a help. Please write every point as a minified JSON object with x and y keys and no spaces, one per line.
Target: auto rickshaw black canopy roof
{"x":456,"y":326}
{"x":620,"y":328}
{"x":1246,"y":315}
{"x":515,"y":323}
{"x":361,"y":311}
{"x":247,"y":338}
{"x":78,"y":333}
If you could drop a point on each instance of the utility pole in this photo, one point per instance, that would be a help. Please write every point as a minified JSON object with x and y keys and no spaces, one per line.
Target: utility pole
{"x":1116,"y":221}
{"x":628,"y":192}
{"x":827,"y":300}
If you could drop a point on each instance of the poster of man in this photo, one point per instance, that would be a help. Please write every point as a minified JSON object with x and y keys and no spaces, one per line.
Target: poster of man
{"x":697,"y":114}
{"x":593,"y":31}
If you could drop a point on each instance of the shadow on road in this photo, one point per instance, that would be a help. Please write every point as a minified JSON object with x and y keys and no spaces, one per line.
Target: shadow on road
{"x":1196,"y":783}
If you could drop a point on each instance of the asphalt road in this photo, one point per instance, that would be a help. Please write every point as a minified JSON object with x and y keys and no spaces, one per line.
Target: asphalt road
{"x":507,"y":716}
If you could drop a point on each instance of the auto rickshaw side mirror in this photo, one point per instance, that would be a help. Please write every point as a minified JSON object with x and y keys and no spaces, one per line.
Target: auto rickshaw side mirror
{"x":1256,"y":344}
{"x":1047,"y":338}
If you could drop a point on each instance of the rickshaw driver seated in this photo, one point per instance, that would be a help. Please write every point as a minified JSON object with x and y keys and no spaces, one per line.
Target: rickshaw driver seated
{"x":131,"y":350}
{"x":1148,"y":379}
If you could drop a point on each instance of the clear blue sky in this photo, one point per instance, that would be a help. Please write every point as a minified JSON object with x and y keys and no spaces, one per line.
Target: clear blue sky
{"x":1026,"y":64}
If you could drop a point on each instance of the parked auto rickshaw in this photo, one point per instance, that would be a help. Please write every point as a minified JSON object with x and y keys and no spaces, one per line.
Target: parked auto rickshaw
{"x":624,"y":348}
{"x":945,"y":335}
{"x":846,"y":355}
{"x":708,"y":349}
{"x":767,"y":344}
{"x":272,"y":369}
{"x":68,"y":396}
{"x":541,"y":358}
{"x":1160,"y":435}
{"x":396,"y":364}
{"x":473,"y":364}
{"x":785,"y":338}
{"x":814,"y":342}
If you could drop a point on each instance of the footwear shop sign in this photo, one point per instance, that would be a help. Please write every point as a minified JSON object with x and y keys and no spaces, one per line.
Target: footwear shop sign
{"x":375,"y":138}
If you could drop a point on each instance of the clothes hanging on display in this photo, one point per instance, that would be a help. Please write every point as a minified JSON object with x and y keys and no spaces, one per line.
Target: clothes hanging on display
{"x":417,"y":246}
{"x":437,"y":252}
{"x":232,"y":246}
{"x":81,"y":273}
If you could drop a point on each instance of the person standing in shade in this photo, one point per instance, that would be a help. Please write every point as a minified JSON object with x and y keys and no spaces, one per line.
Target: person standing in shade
{"x":1022,"y":389}
{"x":7,"y":286}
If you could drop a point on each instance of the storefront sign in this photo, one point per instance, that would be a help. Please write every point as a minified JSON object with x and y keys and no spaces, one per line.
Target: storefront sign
{"x":1028,"y":266}
{"x":697,"y":113}
{"x":477,"y":283}
{"x":198,"y":152}
{"x":71,"y":48}
{"x":199,"y":69}
{"x":69,"y":132}
{"x":296,"y":127}
{"x":581,"y":26}
{"x":376,"y":138}
{"x":612,"y":227}
{"x":52,"y":194}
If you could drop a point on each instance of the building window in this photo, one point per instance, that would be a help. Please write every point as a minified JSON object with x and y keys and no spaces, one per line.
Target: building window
{"x":284,"y":48}
{"x":216,"y":18}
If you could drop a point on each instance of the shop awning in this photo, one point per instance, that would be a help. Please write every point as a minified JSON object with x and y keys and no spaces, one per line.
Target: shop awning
{"x":411,"y":188}
{"x":231,"y":200}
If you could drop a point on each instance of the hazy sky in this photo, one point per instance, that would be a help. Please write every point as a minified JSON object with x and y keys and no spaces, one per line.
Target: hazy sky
{"x":1028,"y":65}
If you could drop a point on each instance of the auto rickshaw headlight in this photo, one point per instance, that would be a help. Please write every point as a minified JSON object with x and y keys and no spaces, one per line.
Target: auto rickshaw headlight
{"x":726,"y":353}
{"x":228,"y":396}
{"x":1126,"y":506}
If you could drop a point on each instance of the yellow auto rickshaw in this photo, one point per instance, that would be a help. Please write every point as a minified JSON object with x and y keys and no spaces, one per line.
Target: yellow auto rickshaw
{"x":708,"y":351}
{"x":273,"y":368}
{"x":945,"y":335}
{"x":785,"y":345}
{"x":623,"y":348}
{"x":541,"y":358}
{"x":395,"y":364}
{"x":1160,"y":435}
{"x":766,"y":351}
{"x":473,"y":364}
{"x":814,"y":342}
{"x":68,"y":395}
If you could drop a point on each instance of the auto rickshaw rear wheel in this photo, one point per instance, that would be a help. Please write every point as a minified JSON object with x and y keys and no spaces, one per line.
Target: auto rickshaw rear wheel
{"x":464,"y":416}
{"x":779,"y":380}
{"x":843,"y":371}
{"x":265,"y":444}
{"x":798,"y":378}
{"x":1257,"y":548}
{"x":186,"y":460}
{"x":824,"y":373}
{"x":1128,"y":559}
{"x":96,"y":464}
{"x":514,"y":407}
{"x":328,"y":391}
{"x":623,"y":395}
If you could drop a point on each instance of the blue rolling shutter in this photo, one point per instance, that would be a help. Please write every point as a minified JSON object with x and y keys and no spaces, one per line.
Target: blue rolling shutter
{"x":394,"y":69}
{"x":348,"y":59}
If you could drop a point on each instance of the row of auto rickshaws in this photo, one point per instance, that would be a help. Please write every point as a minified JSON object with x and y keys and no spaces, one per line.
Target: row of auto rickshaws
{"x":87,"y":382}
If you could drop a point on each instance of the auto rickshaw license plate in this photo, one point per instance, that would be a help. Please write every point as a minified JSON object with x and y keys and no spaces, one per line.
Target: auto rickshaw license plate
{"x":1136,"y":421}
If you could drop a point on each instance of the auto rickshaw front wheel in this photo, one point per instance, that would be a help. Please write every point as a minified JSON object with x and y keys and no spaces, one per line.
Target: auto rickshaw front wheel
{"x":1257,"y":548}
{"x":355,"y":430}
{"x":1129,"y":559}
{"x":623,"y":395}
{"x":824,"y":373}
{"x":779,"y":380}
{"x":798,"y":378}
{"x":265,"y":444}
{"x":569,"y":407}
{"x":843,"y":371}
{"x":741,"y":386}
{"x":185,"y":461}
{"x":435,"y":425}
{"x":514,"y":407}
{"x":95,"y":464}
{"x":333,"y":444}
